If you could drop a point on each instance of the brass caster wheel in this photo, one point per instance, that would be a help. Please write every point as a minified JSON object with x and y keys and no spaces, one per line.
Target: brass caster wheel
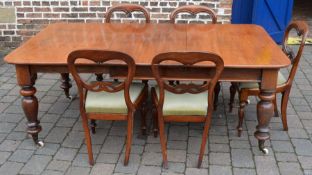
{"x":265,"y":151}
{"x":248,"y":101}
{"x":40,"y":144}
{"x":70,"y":97}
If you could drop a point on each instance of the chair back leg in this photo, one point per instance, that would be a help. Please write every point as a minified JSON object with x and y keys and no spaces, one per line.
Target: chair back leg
{"x":285,"y":97}
{"x":129,"y":137}
{"x":204,"y":139}
{"x":87,"y":138}
{"x":163,"y":140}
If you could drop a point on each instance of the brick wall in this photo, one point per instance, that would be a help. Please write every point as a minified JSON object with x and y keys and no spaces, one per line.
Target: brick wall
{"x":21,"y":19}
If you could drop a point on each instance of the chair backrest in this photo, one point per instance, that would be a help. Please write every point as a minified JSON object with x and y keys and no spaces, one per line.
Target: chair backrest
{"x":193,"y":9}
{"x":187,"y":60}
{"x":301,"y":29}
{"x":98,"y":57}
{"x":128,"y":9}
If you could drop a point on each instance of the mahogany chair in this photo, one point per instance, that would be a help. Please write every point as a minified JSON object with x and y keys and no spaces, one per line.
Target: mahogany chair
{"x":184,"y":102}
{"x":128,"y":9}
{"x":283,"y":84}
{"x":107,"y":100}
{"x":195,"y":9}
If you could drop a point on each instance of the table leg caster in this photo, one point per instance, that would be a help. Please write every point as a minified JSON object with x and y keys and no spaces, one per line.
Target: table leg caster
{"x":40,"y":144}
{"x":248,"y":101}
{"x":155,"y":132}
{"x":262,"y":148}
{"x":265,"y":151}
{"x":71,"y":98}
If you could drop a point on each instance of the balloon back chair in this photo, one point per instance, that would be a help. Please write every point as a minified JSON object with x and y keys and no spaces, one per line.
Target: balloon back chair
{"x":193,"y":10}
{"x":283,"y":84}
{"x":107,"y":100}
{"x":184,"y":102}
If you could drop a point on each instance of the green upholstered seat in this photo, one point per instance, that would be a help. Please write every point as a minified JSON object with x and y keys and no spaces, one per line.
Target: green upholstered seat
{"x":280,"y":81}
{"x":111,"y":103}
{"x":185,"y":104}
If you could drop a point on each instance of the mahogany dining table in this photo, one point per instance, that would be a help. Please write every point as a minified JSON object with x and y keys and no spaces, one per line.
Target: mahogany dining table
{"x":248,"y":52}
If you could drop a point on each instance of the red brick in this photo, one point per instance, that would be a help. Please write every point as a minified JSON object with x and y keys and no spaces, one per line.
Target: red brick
{"x":24,"y":9}
{"x":64,"y":3}
{"x":34,"y":15}
{"x":61,"y":9}
{"x":87,"y":15}
{"x":24,"y":21}
{"x":51,"y":15}
{"x":42,"y":9}
{"x":17,"y":3}
{"x":80,"y":9}
{"x":3,"y":26}
{"x":94,"y":3}
{"x":26,"y":3}
{"x":20,"y":15}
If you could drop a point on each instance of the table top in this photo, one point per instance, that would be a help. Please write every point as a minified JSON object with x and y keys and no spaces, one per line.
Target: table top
{"x":240,"y":46}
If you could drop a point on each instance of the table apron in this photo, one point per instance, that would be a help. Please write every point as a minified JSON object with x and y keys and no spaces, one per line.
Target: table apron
{"x":145,"y":72}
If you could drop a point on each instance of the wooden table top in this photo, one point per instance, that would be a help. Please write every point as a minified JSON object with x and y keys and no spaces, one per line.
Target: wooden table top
{"x":240,"y":46}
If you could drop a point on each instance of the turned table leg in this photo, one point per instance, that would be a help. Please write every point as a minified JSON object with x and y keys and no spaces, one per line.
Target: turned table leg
{"x":26,"y":80}
{"x":265,"y":107}
{"x":66,"y":85}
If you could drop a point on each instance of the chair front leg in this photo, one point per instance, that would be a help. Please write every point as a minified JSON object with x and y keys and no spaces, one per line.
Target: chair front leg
{"x":243,"y":96}
{"x":129,"y":137}
{"x":285,"y":97}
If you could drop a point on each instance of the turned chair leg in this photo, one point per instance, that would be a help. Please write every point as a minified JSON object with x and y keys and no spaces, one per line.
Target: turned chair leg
{"x":216,"y":96}
{"x":241,"y":111}
{"x":233,"y":89}
{"x":285,"y":97}
{"x":129,"y":138}
{"x":87,"y":139}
